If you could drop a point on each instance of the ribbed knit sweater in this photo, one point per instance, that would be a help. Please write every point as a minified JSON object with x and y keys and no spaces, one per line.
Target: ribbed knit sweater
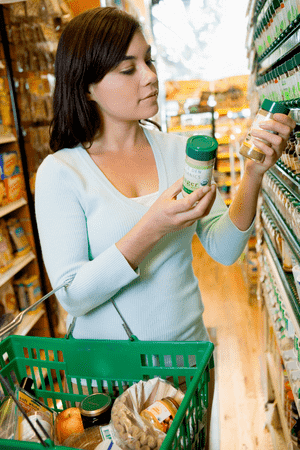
{"x":81,"y":216}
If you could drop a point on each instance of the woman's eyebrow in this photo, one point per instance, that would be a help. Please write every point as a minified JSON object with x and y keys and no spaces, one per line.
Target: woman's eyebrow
{"x":126,"y":57}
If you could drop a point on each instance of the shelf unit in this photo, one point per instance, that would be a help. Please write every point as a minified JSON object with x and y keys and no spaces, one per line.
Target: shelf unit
{"x":269,"y":49}
{"x":12,"y":139}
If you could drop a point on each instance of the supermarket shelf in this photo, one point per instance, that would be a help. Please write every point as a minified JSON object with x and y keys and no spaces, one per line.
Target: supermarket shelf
{"x":12,"y":206}
{"x":289,"y":180}
{"x":284,"y":44}
{"x":275,"y":384}
{"x":288,"y":234}
{"x":288,"y":356}
{"x":285,"y":283}
{"x":7,"y":138}
{"x":18,"y":264}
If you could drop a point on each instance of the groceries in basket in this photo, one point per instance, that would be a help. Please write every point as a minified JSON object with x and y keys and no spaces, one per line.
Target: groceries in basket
{"x":133,"y":422}
{"x":93,"y":438}
{"x":17,"y":426}
{"x":141,"y":416}
{"x":67,"y":423}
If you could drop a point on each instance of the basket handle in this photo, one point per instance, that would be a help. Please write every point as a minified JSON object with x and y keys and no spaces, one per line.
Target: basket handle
{"x":128,"y":331}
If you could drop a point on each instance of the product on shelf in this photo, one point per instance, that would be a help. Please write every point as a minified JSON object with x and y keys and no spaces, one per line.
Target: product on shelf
{"x":18,"y":236}
{"x":8,"y":164}
{"x":8,"y":300}
{"x":13,"y":188}
{"x":20,"y":290}
{"x":6,"y":251}
{"x":28,"y":291}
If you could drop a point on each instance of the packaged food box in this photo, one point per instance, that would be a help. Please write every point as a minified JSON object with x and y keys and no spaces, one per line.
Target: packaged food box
{"x":9,"y":165}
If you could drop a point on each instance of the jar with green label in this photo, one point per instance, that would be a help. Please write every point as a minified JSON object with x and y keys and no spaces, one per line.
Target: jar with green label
{"x":266,"y":111}
{"x":199,"y":163}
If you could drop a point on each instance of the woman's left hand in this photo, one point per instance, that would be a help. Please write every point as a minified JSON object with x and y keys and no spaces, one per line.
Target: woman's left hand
{"x":283,"y":125}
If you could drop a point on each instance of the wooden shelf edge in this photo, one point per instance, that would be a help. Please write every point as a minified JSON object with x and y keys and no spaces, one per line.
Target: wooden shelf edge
{"x":7,"y":138}
{"x":18,"y":264}
{"x":12,"y":206}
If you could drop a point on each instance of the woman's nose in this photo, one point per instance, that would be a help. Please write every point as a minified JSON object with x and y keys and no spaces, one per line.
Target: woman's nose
{"x":148,"y":74}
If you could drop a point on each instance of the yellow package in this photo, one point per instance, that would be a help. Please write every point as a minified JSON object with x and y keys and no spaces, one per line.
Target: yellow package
{"x":33,"y":289}
{"x":2,"y":194}
{"x":9,"y":164}
{"x":6,"y":253}
{"x":13,"y":188}
{"x":8,"y":299}
{"x":18,"y":236}
{"x":36,"y":411}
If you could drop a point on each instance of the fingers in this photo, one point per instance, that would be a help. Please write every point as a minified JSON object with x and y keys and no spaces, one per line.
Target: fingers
{"x":285,"y":120}
{"x":274,"y":139}
{"x":273,"y":152}
{"x":189,"y":201}
{"x":281,"y":124}
{"x":174,"y":189}
{"x":200,"y":202}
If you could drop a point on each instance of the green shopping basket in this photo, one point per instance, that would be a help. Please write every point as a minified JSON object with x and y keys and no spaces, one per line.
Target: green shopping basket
{"x":52,"y":362}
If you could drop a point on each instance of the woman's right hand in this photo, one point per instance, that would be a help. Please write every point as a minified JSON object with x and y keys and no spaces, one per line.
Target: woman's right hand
{"x":168,"y":214}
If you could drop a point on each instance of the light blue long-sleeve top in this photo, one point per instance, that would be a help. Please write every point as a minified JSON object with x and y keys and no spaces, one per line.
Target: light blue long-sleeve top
{"x":81,"y":216}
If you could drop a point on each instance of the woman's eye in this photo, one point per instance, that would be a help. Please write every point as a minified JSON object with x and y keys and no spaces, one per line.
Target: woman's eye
{"x":150,"y":61}
{"x":128,"y":72}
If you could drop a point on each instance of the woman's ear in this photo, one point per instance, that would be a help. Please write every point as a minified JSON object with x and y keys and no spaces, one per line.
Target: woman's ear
{"x":90,"y":92}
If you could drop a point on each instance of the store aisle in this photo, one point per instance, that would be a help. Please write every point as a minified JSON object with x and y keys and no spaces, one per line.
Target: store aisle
{"x":236,"y":322}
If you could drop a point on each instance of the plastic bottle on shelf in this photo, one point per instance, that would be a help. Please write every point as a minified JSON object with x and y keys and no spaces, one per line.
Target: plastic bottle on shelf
{"x":294,"y":10}
{"x":269,"y":20}
{"x":283,"y":19}
{"x":283,"y":80}
{"x":287,"y":88}
{"x":297,"y":146}
{"x":296,"y":77}
{"x":277,"y":84}
{"x":292,"y":78}
{"x":276,"y":4}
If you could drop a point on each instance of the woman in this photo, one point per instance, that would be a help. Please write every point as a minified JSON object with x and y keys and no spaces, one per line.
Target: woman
{"x":112,"y":221}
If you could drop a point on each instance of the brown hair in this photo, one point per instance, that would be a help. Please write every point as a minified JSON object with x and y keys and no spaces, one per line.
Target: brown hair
{"x":91,"y":45}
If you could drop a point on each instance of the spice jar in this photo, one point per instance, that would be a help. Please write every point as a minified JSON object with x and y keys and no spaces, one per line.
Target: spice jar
{"x":161,"y":413}
{"x":268,"y":108}
{"x":199,"y":163}
{"x":95,"y":409}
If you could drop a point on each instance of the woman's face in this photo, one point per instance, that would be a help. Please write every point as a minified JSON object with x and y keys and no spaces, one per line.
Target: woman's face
{"x":129,"y":92}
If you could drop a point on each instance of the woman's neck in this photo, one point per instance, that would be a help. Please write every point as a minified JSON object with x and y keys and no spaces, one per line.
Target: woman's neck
{"x":118,"y":138}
